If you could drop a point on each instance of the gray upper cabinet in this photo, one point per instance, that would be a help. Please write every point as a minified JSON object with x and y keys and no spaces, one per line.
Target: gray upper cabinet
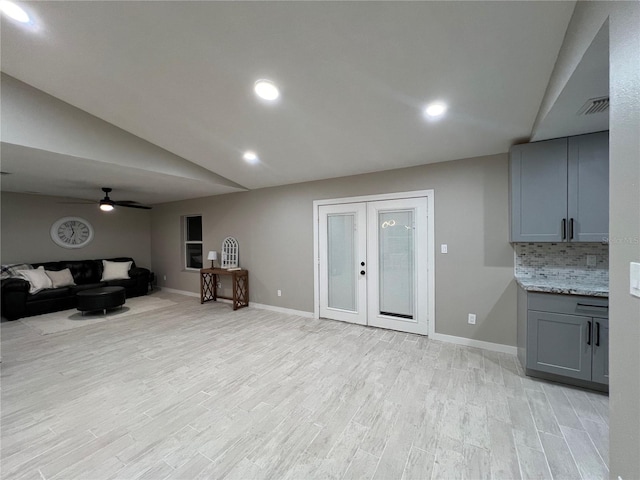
{"x":588,"y":193}
{"x":559,"y":190}
{"x":539,"y":191}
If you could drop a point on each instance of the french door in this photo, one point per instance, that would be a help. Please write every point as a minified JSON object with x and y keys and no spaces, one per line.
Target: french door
{"x":373,"y":263}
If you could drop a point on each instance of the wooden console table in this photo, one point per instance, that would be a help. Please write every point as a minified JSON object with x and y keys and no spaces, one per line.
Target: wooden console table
{"x":239,"y":286}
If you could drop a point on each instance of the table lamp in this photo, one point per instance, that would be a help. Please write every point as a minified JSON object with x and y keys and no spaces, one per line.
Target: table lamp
{"x":212,"y":256}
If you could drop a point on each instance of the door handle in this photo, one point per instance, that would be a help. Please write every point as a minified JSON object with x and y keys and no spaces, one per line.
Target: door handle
{"x":597,"y":334}
{"x":362,"y":272}
{"x":571,"y":229}
{"x":564,"y":229}
{"x":589,"y":337}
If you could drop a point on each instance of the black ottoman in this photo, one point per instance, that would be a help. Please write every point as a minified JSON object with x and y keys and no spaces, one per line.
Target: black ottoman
{"x":102,"y":298}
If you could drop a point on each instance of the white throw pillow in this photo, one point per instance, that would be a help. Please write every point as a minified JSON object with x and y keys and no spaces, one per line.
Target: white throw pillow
{"x":115,"y":270}
{"x":62,"y":278}
{"x":37,"y":278}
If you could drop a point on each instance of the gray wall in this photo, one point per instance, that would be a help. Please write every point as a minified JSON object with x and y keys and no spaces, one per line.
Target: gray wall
{"x":27,"y":219}
{"x":624,"y":315}
{"x":275,"y":232}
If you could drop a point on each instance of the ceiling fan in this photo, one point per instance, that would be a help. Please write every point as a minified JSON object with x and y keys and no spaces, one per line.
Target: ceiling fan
{"x":107,"y":204}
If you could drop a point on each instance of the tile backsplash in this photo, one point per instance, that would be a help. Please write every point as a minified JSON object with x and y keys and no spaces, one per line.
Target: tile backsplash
{"x":562,"y":261}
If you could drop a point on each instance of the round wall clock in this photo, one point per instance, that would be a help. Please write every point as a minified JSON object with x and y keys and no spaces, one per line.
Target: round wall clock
{"x":72,"y":232}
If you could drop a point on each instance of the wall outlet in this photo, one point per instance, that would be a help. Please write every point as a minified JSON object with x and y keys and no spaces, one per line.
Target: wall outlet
{"x":472,"y":319}
{"x":164,"y":277}
{"x":279,"y":293}
{"x":219,"y":285}
{"x":592,"y":260}
{"x":443,"y":248}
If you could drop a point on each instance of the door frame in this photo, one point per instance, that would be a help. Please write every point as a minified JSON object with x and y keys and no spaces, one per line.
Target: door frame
{"x":431,"y":248}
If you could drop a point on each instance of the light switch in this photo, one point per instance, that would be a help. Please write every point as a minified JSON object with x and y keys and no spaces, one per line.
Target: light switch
{"x":443,"y":248}
{"x":592,"y":260}
{"x":634,"y":279}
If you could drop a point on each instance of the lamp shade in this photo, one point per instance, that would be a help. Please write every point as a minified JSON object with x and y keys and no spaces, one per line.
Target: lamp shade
{"x":212,"y":256}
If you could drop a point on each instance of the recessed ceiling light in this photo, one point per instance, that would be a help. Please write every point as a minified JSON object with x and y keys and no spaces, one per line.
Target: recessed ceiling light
{"x":250,"y":156}
{"x":13,"y":11}
{"x":266,"y":90}
{"x":435,"y":109}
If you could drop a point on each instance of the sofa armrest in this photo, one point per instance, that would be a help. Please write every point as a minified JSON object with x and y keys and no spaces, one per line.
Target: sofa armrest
{"x":14,"y":284}
{"x":139,"y":272}
{"x":14,"y":298}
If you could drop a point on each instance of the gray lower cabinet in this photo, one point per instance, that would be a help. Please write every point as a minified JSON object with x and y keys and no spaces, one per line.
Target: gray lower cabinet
{"x":564,"y":337}
{"x":559,"y":190}
{"x":558,"y":344}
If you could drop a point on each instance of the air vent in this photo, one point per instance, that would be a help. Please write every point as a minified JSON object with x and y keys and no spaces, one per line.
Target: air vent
{"x":595,"y":105}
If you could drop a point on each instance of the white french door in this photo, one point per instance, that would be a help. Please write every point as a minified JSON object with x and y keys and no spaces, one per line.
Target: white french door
{"x":343,"y":243}
{"x":373,"y":263}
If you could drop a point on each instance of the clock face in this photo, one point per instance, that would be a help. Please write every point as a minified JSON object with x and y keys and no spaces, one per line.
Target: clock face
{"x":72,"y":232}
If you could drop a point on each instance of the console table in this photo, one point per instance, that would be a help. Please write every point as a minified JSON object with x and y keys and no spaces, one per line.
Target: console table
{"x":239,"y":286}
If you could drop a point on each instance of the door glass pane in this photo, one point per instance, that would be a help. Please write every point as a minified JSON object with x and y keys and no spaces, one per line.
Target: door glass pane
{"x":396,"y":256}
{"x":341,"y":257}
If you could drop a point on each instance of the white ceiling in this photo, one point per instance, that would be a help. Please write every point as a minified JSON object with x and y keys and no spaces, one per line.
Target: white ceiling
{"x":354,"y":77}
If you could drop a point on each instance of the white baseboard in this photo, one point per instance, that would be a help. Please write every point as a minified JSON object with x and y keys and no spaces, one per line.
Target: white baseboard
{"x":470,"y":342}
{"x":259,"y":306}
{"x":180,"y":292}
{"x":290,"y":311}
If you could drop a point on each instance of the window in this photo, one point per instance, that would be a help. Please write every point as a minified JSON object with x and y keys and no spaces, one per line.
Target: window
{"x":193,"y":242}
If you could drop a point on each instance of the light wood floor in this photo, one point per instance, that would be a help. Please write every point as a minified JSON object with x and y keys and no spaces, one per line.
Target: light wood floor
{"x":199,"y":391}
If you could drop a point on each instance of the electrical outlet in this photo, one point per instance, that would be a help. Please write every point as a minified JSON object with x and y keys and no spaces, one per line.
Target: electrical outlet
{"x":279,"y":293}
{"x":219,"y":285}
{"x":592,"y":260}
{"x":472,"y":319}
{"x":443,"y":248}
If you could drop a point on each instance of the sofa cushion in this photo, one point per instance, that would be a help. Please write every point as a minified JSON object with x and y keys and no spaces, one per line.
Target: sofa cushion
{"x":50,"y":294}
{"x":84,"y":272}
{"x":63,"y":278}
{"x":37,"y":278}
{"x":87,"y":286}
{"x":126,"y":283}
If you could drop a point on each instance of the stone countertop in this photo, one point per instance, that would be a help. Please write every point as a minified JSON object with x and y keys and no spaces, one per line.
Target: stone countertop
{"x":566,"y":287}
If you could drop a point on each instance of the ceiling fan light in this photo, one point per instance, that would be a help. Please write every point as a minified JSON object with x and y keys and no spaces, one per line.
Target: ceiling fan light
{"x":106,"y":205}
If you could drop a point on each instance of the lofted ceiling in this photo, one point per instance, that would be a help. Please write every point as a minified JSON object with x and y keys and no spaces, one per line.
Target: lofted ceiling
{"x":354,"y":78}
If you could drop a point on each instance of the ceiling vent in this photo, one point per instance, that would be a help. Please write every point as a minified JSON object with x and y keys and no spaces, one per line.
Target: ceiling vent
{"x":595,"y":105}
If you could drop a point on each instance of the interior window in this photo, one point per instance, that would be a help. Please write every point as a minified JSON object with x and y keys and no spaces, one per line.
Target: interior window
{"x":193,"y":241}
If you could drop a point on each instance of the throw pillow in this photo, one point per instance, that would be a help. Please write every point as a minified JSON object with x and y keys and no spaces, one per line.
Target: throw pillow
{"x":62,"y":278}
{"x":37,"y":278}
{"x":115,"y":270}
{"x":9,"y":271}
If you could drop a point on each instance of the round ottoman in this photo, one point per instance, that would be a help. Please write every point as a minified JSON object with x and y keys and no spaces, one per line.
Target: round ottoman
{"x":102,"y":298}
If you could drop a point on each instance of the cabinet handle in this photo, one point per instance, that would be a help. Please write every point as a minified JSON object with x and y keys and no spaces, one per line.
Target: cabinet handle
{"x":597,"y":334}
{"x":564,"y":228}
{"x":571,"y":229}
{"x":589,"y":337}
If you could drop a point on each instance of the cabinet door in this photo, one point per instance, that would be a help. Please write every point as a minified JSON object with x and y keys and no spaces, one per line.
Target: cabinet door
{"x":538,"y":191}
{"x":600,"y":365}
{"x":560,"y":344}
{"x":588,"y":193}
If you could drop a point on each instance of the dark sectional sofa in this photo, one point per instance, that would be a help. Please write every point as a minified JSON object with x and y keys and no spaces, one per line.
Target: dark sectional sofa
{"x":17,"y":302}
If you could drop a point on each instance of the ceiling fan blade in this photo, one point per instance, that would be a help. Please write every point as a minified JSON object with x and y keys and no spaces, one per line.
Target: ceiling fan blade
{"x":79,"y":202}
{"x":132,"y":205}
